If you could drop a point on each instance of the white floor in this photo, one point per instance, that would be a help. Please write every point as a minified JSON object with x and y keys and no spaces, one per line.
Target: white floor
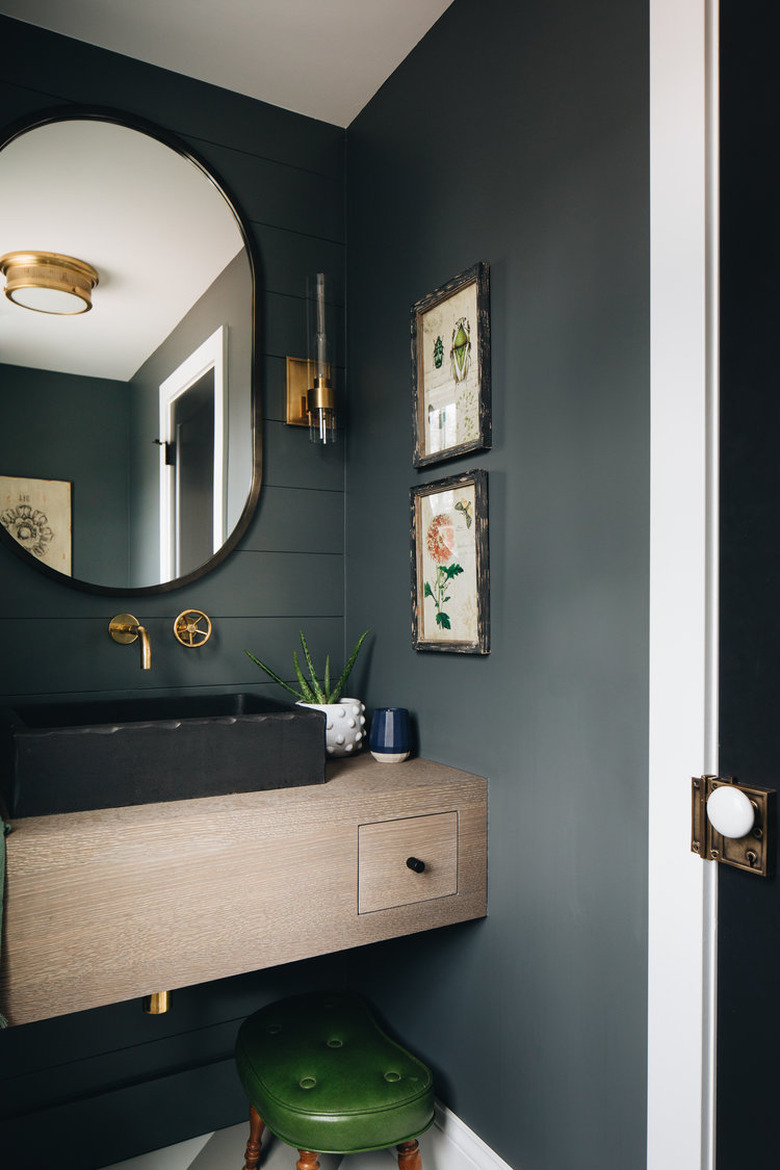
{"x":448,"y":1145}
{"x":224,"y":1150}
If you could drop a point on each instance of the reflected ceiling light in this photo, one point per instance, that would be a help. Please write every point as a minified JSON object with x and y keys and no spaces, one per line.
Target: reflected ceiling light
{"x":48,"y":282}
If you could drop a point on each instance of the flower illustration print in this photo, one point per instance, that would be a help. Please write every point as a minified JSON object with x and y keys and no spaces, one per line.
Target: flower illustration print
{"x":29,"y":526}
{"x":440,"y":538}
{"x":440,"y":542}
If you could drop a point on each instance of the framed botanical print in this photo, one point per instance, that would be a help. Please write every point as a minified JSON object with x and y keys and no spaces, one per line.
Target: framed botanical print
{"x":451,"y":368}
{"x":450,"y":565}
{"x":37,"y":514}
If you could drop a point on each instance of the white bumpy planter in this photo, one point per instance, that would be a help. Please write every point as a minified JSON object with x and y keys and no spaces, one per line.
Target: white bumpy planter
{"x":344,"y":724}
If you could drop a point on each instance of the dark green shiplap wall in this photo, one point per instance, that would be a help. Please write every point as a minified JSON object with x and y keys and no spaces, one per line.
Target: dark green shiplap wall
{"x":518,"y":133}
{"x":101,"y":1086}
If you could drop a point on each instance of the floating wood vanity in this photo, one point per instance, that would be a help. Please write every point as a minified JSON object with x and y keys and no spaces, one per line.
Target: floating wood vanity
{"x":114,"y":904}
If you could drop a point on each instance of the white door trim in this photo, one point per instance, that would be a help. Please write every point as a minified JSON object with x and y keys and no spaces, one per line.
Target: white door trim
{"x":212,"y":354}
{"x":683,"y":577}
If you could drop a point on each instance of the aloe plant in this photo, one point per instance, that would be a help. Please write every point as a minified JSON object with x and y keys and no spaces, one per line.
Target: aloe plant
{"x":311,"y":690}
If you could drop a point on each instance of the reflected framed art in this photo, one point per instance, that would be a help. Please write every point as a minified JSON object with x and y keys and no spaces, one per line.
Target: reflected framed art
{"x":37,"y":514}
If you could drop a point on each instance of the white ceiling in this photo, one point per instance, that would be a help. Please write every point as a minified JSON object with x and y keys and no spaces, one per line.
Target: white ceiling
{"x":324,"y":58}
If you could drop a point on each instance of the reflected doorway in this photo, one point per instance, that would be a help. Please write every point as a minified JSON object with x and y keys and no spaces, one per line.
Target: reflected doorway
{"x":192,"y":458}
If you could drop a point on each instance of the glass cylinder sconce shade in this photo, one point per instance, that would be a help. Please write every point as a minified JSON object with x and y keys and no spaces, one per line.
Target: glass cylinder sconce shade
{"x":320,"y":398}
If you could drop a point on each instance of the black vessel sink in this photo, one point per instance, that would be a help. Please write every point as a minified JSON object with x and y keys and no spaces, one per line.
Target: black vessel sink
{"x":67,"y":757}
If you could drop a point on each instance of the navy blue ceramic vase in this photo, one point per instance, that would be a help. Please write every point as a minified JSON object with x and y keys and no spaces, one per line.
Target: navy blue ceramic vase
{"x":389,"y":739}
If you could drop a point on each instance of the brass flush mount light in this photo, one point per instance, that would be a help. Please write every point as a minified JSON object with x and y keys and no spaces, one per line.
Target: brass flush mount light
{"x":48,"y":282}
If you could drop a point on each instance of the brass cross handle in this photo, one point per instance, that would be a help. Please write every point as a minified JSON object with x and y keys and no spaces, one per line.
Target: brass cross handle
{"x":192,"y":628}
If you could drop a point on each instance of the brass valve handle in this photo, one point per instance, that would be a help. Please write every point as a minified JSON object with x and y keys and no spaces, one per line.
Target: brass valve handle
{"x":192,"y":628}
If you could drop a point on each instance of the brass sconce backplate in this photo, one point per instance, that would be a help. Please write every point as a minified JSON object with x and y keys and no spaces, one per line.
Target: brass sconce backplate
{"x":299,"y":380}
{"x":754,"y":852}
{"x":305,"y":389}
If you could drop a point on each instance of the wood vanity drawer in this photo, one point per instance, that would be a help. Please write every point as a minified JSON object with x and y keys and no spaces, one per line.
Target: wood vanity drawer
{"x":384,"y":878}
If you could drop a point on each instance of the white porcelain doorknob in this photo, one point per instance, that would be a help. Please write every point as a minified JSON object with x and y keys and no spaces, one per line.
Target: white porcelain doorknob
{"x":730,"y":812}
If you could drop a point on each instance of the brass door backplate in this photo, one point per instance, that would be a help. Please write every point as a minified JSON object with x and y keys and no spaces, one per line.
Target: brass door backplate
{"x":754,"y":852}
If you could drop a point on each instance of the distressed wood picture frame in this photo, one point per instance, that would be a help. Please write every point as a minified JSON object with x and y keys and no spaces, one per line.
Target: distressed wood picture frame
{"x":451,"y":368}
{"x":37,"y":514}
{"x":450,"y":565}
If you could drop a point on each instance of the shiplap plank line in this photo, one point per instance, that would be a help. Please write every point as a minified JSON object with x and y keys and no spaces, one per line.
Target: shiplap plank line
{"x":56,"y":656}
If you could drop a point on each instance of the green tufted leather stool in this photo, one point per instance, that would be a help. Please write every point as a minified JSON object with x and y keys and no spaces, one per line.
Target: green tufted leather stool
{"x":323,"y":1077}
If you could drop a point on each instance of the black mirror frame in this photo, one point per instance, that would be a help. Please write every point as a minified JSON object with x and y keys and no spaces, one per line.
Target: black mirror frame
{"x":121,"y":118}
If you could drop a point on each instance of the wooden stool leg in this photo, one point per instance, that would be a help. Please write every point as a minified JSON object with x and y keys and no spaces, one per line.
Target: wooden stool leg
{"x":409,"y":1156}
{"x":256,"y":1127}
{"x":308,"y":1160}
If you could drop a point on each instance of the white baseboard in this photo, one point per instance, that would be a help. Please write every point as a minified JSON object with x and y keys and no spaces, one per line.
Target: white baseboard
{"x":448,"y":1145}
{"x":456,"y":1147}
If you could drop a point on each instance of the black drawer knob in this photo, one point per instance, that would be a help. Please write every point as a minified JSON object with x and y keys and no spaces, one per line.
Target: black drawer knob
{"x":415,"y":864}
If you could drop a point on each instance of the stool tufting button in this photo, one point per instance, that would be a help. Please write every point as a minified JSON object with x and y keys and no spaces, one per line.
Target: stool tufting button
{"x":392,"y":1076}
{"x":274,"y":1029}
{"x":307,"y":1082}
{"x":335,"y":1043}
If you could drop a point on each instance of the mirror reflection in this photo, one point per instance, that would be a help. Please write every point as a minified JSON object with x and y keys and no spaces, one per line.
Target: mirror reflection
{"x":127,"y":450}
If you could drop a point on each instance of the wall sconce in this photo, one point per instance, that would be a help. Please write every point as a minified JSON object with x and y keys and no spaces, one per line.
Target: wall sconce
{"x":311,"y":399}
{"x":48,"y":282}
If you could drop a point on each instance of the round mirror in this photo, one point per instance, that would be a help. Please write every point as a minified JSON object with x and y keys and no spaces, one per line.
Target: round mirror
{"x":129,"y":449}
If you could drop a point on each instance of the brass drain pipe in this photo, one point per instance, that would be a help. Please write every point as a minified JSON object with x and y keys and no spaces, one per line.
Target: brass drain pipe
{"x":157,"y":1004}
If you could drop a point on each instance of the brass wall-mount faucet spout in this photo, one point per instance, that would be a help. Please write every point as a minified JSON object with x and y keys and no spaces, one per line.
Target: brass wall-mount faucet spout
{"x":124,"y":628}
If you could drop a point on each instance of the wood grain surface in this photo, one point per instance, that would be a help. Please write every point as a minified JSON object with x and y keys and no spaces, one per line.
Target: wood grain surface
{"x":114,"y":904}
